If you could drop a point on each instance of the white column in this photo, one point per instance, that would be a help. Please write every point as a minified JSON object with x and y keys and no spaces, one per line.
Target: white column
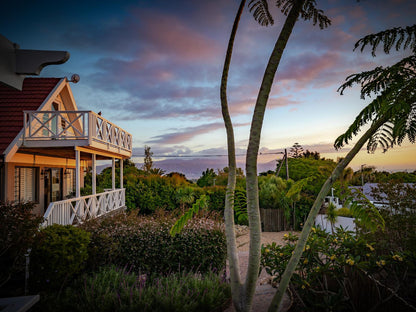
{"x":94,"y":174}
{"x":77,"y":174}
{"x":113,"y":174}
{"x":121,"y":173}
{"x":94,"y":185}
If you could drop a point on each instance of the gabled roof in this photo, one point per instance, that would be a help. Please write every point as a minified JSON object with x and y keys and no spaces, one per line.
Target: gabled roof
{"x":13,"y":102}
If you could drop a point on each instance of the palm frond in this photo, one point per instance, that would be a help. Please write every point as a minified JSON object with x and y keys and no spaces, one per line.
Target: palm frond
{"x":365,"y":213}
{"x":200,"y":204}
{"x":378,"y":79}
{"x":284,"y":5}
{"x":383,"y":137}
{"x":396,"y":37}
{"x":405,"y":124}
{"x":261,"y":12}
{"x":308,"y":12}
{"x":368,"y":114}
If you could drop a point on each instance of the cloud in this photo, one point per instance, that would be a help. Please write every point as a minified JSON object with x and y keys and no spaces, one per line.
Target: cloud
{"x":185,"y":134}
{"x":307,"y":68}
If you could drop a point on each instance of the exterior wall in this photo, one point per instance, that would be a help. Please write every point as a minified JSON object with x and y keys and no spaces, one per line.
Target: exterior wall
{"x":42,"y":163}
{"x":2,"y":182}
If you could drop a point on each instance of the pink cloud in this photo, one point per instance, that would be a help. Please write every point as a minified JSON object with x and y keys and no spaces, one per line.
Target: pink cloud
{"x":306,"y":67}
{"x":168,"y":34}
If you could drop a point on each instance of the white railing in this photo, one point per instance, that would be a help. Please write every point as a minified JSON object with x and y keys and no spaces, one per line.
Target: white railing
{"x":74,"y":125}
{"x":78,"y":210}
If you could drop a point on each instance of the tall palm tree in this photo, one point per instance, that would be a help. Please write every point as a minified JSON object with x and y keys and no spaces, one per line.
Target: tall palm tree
{"x":293,"y":9}
{"x":233,"y":263}
{"x":392,"y":115}
{"x":262,"y":15}
{"x":243,"y":293}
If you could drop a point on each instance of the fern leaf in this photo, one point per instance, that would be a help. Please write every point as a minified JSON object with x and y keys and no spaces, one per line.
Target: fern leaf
{"x":261,"y":12}
{"x":388,"y":38}
{"x":200,"y":204}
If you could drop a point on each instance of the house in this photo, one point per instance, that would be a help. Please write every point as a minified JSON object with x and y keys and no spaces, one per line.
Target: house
{"x":46,"y":146}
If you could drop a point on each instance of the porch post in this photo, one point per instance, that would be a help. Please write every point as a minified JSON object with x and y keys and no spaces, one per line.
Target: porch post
{"x":113,"y":174}
{"x":77,"y":174}
{"x":121,"y":173}
{"x":94,"y":185}
{"x":94,"y":174}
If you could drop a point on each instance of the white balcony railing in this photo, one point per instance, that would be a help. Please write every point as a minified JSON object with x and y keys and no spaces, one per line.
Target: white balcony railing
{"x":78,"y":210}
{"x":84,"y":127}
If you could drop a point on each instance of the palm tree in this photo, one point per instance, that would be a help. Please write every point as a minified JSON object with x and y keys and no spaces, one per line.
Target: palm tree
{"x":238,"y":289}
{"x":292,"y":9}
{"x":392,"y":115}
{"x":243,"y":293}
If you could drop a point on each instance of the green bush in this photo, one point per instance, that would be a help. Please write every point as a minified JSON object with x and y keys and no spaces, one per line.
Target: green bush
{"x":58,"y":254}
{"x":17,"y":233}
{"x":151,"y":193}
{"x":216,"y":197}
{"x":113,"y":289}
{"x":145,"y":244}
{"x":343,"y":212}
{"x":343,"y":272}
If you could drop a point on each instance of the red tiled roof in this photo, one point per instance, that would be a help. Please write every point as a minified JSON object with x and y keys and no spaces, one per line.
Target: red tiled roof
{"x":13,"y":102}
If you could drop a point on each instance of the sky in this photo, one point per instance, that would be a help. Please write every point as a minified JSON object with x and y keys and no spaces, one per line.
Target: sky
{"x":154,"y":68}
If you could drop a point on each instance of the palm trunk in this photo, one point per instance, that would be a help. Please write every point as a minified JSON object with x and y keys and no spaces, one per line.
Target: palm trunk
{"x":294,"y":260}
{"x":252,"y":152}
{"x":234,"y":267}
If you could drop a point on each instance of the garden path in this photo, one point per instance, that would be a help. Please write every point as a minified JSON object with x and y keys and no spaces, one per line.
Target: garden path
{"x":264,"y":291}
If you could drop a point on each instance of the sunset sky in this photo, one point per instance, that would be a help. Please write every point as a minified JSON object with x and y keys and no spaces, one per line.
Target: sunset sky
{"x":154,"y":68}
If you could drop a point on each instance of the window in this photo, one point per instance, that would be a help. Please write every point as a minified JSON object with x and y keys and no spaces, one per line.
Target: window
{"x":69,"y":183}
{"x":26,"y":184}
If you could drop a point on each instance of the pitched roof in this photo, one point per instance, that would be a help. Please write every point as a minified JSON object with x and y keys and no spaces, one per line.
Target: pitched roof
{"x":13,"y":102}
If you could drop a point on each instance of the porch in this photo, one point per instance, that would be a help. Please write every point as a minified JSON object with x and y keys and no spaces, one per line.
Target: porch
{"x":77,"y":210}
{"x":84,"y":137}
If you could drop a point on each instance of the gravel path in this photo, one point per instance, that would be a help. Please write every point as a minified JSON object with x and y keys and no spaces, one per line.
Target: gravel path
{"x":264,"y":291}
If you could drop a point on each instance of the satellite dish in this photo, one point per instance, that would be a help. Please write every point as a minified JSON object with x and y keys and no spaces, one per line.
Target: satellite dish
{"x":74,"y":78}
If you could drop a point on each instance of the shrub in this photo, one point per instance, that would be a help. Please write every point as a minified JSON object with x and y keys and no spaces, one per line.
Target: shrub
{"x":344,"y":212}
{"x":59,"y":254}
{"x":151,"y":193}
{"x":18,"y":228}
{"x":343,"y":272}
{"x":145,"y":244}
{"x":216,"y":197}
{"x":113,"y":289}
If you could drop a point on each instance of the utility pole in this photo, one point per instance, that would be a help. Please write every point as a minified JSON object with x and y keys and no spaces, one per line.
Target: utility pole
{"x":362,"y":177}
{"x":287,"y":165}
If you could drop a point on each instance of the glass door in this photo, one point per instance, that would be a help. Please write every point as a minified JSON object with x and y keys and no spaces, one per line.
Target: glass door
{"x":53,"y":185}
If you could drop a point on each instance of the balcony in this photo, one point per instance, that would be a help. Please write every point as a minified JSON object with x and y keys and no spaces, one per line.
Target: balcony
{"x":43,"y":129}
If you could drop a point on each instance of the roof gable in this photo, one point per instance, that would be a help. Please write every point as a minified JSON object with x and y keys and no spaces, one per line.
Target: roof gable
{"x":13,"y":102}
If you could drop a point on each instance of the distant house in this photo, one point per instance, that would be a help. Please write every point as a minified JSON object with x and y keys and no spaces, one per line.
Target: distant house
{"x":46,"y":146}
{"x":367,"y":190}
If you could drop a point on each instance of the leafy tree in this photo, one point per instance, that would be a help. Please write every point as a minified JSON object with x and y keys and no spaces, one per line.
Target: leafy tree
{"x":207,"y":178}
{"x":242,"y":294}
{"x":309,"y":154}
{"x":392,"y":115}
{"x":148,"y":162}
{"x":185,"y":196}
{"x":296,"y":151}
